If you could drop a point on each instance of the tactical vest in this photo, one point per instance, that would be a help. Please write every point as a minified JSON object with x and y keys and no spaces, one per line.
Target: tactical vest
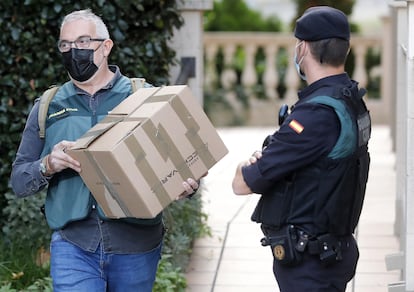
{"x":327,"y":196}
{"x":68,"y":118}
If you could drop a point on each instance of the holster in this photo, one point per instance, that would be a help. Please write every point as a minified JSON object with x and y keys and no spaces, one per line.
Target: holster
{"x":328,"y":247}
{"x":283,"y":244}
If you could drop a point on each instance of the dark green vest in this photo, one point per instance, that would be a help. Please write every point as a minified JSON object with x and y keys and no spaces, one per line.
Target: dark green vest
{"x":69,"y":117}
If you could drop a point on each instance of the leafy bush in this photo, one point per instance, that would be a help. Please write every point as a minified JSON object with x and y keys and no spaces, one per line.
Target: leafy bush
{"x":184,"y":222}
{"x":30,"y":63}
{"x":19,"y":266}
{"x":25,"y":222}
{"x":169,"y":278}
{"x":235,"y":15}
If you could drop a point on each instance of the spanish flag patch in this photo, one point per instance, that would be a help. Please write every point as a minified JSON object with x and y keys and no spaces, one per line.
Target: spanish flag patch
{"x":296,"y":126}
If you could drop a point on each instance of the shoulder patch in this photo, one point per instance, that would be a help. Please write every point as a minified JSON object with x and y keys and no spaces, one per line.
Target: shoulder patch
{"x":296,"y":126}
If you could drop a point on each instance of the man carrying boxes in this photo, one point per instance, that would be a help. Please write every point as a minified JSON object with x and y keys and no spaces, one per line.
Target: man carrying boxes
{"x":104,"y":204}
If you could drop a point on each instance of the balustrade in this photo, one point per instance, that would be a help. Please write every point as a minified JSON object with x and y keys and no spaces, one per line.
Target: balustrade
{"x":268,"y":76}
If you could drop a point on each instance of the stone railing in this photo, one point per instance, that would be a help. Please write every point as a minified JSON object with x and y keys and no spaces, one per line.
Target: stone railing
{"x":266,"y":77}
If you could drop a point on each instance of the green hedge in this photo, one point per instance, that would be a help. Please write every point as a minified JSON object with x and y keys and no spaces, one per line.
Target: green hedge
{"x":30,"y":63}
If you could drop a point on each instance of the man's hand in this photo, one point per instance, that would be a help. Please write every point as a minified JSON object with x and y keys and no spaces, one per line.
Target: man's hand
{"x":58,"y":159}
{"x":190,"y":187}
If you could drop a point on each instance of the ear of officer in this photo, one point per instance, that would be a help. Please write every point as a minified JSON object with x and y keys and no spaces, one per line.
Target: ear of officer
{"x":316,"y":24}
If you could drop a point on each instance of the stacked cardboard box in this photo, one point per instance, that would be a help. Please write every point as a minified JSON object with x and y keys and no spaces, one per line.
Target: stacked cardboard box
{"x":135,"y":160}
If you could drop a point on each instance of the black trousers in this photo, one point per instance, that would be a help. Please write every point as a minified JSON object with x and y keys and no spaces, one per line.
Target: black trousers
{"x":311,"y":276}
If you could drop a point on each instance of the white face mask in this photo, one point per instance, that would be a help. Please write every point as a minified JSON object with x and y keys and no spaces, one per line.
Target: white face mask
{"x":297,"y":63}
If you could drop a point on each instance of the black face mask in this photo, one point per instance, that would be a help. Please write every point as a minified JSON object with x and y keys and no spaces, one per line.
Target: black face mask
{"x":79,"y":63}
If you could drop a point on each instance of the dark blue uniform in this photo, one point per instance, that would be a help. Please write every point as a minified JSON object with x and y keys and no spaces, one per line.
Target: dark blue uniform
{"x":306,"y":138}
{"x":296,"y":147}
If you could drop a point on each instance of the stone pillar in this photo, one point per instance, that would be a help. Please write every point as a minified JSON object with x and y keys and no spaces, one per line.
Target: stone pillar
{"x":386,"y":62}
{"x":404,"y":90}
{"x":188,"y":44}
{"x":399,"y":91}
{"x":409,"y":243}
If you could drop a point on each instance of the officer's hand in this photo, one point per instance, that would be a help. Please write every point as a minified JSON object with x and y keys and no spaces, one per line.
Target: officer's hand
{"x":59,"y":160}
{"x":255,"y":156}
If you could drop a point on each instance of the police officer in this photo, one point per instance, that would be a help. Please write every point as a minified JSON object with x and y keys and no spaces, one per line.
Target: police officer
{"x":312,"y":172}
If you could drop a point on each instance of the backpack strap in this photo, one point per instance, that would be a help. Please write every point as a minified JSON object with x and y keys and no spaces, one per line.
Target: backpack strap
{"x":136,"y":83}
{"x":43,"y":108}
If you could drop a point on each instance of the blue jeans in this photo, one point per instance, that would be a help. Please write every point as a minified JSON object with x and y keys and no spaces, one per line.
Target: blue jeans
{"x":73,"y":269}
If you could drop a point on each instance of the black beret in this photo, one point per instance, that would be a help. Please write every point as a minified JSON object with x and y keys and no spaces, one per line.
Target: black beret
{"x":322,"y":22}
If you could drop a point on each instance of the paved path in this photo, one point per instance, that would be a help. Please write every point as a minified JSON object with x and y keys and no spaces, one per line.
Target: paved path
{"x":232,"y":259}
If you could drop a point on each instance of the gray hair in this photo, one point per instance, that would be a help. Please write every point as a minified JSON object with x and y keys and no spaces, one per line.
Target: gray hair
{"x":87,"y":14}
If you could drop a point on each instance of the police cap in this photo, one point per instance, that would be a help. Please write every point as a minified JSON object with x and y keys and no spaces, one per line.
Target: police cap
{"x":322,"y":22}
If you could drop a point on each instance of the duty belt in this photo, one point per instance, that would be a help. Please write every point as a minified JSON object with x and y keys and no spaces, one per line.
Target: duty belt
{"x":327,"y":246}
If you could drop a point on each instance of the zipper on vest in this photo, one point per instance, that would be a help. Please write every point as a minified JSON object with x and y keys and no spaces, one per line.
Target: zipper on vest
{"x":93,"y":104}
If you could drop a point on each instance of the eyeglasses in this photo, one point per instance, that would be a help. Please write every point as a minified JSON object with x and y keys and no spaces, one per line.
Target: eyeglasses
{"x":82,"y":42}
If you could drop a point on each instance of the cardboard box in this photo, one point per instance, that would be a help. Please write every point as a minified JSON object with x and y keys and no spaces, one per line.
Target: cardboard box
{"x":135,"y":160}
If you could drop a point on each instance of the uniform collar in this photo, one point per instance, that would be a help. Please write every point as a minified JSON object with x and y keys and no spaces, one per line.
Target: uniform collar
{"x":116,"y":77}
{"x":329,"y":81}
